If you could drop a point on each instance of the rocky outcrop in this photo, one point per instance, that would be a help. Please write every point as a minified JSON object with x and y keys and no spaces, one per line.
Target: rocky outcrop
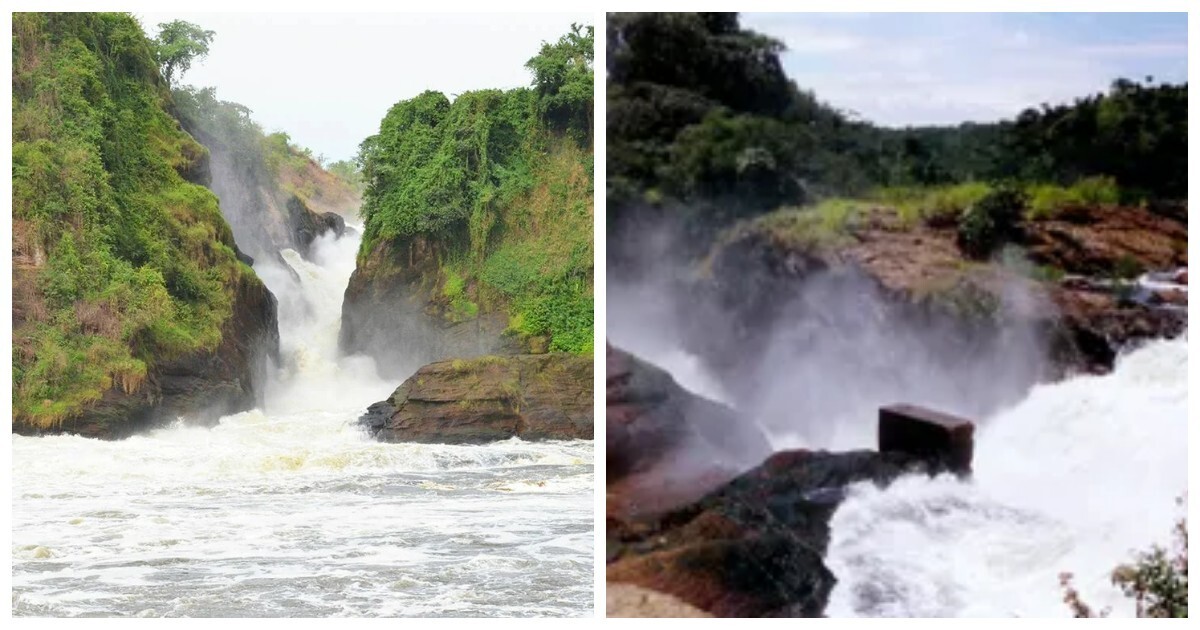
{"x":665,"y":446}
{"x":624,"y":600}
{"x":394,"y":312}
{"x":308,"y":225}
{"x":751,"y":545}
{"x":200,"y":387}
{"x":532,"y":397}
{"x":755,"y":546}
{"x":751,"y":280}
{"x":684,"y":520}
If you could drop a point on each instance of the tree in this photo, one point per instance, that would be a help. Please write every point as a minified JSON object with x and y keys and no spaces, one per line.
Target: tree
{"x":563,"y":77}
{"x":177,"y":45}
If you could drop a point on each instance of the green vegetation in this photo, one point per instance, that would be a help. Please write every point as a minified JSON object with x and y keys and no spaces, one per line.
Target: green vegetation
{"x":178,"y":44}
{"x":267,"y":161}
{"x":501,"y":183}
{"x":991,"y":222}
{"x":1047,"y":200}
{"x":1156,"y":580}
{"x":705,"y":129}
{"x":119,"y":262}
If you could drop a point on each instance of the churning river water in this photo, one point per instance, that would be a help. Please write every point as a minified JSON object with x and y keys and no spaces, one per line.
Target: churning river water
{"x":291,"y":510}
{"x":1077,"y":477}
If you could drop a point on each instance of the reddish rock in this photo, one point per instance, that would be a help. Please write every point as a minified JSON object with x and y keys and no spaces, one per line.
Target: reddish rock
{"x":929,"y":435}
{"x":665,"y":446}
{"x":753,"y":547}
{"x":533,"y":397}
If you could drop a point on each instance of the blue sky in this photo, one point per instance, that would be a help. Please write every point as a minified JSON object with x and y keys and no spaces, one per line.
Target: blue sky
{"x":898,"y":69}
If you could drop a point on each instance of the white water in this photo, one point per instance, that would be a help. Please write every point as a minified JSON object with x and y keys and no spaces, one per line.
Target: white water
{"x":291,"y":510}
{"x":1075,"y":478}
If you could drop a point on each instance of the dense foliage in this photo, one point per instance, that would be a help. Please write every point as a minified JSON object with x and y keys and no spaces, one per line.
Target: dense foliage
{"x":502,"y":182}
{"x":703,"y":125}
{"x":119,"y":262}
{"x":991,"y":221}
{"x":564,"y":79}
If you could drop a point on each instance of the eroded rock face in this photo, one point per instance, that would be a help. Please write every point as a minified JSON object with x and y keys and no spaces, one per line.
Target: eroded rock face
{"x":922,"y":279}
{"x":666,"y":446}
{"x":393,"y":314}
{"x":754,"y":547}
{"x":202,"y":386}
{"x":624,"y":600}
{"x":464,"y":401}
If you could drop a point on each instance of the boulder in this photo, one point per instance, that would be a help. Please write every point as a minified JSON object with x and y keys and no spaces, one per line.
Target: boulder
{"x":465,"y":401}
{"x":664,"y":445}
{"x":754,"y":547}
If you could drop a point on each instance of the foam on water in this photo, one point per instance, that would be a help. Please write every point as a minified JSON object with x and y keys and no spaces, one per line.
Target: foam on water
{"x":1075,"y":478}
{"x":291,"y":510}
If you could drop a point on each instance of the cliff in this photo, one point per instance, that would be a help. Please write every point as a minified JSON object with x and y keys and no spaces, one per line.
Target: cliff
{"x":130,"y":303}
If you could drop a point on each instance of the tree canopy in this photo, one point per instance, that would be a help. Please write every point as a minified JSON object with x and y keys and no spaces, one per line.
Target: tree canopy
{"x":704,"y":125}
{"x":563,"y":77}
{"x":178,"y":44}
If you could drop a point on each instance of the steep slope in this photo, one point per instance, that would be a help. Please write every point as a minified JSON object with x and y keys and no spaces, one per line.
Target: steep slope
{"x":479,"y":214}
{"x":129,"y":301}
{"x":274,"y":195}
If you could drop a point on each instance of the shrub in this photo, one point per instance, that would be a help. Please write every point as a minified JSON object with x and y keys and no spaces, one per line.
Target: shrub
{"x":991,"y":222}
{"x":1156,"y":580}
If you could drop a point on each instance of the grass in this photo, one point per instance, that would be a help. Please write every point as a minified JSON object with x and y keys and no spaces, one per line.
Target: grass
{"x":1047,"y":201}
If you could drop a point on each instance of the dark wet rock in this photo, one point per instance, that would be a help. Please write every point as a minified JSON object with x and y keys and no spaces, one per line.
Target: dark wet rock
{"x":333,"y":222}
{"x":200,"y":387}
{"x":393,"y":310}
{"x":243,"y":256}
{"x":464,"y":401}
{"x":377,"y":416}
{"x":755,"y":546}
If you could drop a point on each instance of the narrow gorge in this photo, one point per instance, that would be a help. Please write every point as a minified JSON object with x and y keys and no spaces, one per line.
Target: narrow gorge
{"x":187,"y":421}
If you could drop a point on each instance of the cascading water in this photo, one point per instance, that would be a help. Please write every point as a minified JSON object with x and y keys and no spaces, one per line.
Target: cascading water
{"x":291,"y":510}
{"x":1078,"y":476}
{"x":1075,"y":478}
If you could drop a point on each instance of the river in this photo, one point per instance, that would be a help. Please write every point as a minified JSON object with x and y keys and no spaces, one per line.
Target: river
{"x":291,"y":510}
{"x":1075,"y":476}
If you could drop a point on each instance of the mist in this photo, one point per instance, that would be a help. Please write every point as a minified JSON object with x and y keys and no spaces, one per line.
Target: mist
{"x":813,"y":368}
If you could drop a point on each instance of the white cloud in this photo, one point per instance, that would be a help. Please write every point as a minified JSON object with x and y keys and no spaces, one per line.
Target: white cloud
{"x":949,"y":68}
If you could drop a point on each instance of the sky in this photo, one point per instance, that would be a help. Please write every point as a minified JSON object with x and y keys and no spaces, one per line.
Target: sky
{"x":913,"y":69}
{"x":328,"y":79}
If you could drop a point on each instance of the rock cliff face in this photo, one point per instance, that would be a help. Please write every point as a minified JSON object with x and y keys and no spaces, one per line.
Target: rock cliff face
{"x":264,"y":215}
{"x":393,"y":312}
{"x":132,"y":302}
{"x":729,"y":544}
{"x":201,"y":386}
{"x":532,"y":397}
{"x":1055,"y":287}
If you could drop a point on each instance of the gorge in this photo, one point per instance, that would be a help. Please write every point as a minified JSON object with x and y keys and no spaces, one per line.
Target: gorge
{"x":186,"y":424}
